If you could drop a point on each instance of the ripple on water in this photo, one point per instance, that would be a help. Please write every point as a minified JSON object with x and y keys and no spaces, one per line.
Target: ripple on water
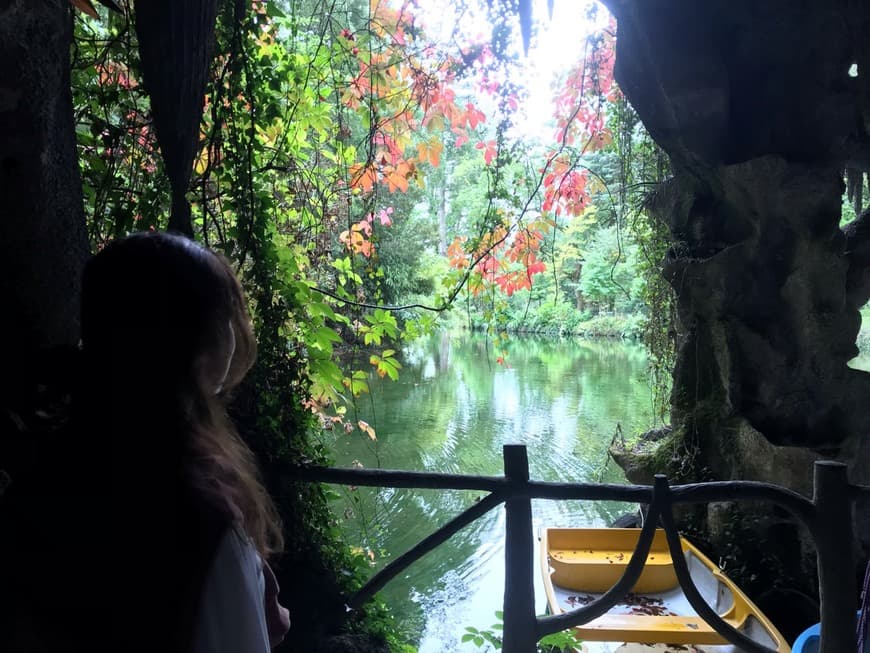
{"x":452,"y":412}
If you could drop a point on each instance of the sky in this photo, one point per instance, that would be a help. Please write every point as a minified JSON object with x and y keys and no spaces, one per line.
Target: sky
{"x":555,"y":46}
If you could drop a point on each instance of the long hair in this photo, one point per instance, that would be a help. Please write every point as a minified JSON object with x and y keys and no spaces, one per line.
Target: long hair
{"x":159,"y":314}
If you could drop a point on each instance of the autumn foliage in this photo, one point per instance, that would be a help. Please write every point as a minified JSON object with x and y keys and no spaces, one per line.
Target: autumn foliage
{"x":307,"y":147}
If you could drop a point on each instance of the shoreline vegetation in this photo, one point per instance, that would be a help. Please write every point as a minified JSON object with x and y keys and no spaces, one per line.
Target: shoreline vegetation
{"x":622,"y":326}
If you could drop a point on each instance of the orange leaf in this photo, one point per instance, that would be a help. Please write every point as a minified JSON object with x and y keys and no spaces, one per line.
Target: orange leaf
{"x":363,"y":176}
{"x":435,"y":154}
{"x":458,"y":257}
{"x":397,"y":181}
{"x":422,"y":152}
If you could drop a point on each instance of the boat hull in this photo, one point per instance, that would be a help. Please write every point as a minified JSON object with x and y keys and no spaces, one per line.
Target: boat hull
{"x":579,"y":565}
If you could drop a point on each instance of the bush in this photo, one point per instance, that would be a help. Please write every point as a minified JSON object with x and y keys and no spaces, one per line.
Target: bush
{"x":547,"y":318}
{"x":557,"y":318}
{"x":603,"y":326}
{"x":634,"y":326}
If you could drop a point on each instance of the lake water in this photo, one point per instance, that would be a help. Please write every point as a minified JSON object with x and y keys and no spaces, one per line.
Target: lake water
{"x":452,"y":410}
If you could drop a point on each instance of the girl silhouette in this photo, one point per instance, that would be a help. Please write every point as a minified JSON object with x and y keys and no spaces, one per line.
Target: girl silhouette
{"x":166,"y":336}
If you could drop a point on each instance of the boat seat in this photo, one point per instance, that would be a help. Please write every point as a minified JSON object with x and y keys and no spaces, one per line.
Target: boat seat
{"x":644,"y":628}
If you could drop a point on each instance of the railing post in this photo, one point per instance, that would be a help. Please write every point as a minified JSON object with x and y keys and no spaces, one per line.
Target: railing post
{"x":833,"y":535}
{"x":519,"y":589}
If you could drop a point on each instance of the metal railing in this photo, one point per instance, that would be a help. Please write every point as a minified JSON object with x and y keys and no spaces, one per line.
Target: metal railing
{"x":827,"y":516}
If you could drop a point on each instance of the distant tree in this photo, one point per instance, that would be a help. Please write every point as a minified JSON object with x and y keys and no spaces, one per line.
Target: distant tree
{"x":608,"y":270}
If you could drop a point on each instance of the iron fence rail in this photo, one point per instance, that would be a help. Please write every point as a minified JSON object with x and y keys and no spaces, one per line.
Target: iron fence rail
{"x":827,"y":516}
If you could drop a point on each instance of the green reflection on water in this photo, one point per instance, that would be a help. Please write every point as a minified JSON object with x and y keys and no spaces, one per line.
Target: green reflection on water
{"x":451,"y":411}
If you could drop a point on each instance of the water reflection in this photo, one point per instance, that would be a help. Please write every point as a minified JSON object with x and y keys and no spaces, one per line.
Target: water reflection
{"x":452,"y":410}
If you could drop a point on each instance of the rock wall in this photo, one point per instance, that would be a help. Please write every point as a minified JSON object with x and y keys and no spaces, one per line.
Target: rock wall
{"x":755,"y":106}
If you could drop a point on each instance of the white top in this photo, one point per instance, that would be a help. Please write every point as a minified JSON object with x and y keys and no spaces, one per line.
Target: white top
{"x":232,"y":615}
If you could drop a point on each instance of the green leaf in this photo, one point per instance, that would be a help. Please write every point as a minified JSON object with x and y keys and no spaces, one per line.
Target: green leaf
{"x":331,"y":494}
{"x":321,"y":309}
{"x":325,"y":333}
{"x":273,"y":9}
{"x":492,"y":639}
{"x":357,"y":383}
{"x":391,"y":367}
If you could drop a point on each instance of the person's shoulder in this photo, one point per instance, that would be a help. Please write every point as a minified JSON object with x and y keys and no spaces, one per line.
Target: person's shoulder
{"x":237,"y":544}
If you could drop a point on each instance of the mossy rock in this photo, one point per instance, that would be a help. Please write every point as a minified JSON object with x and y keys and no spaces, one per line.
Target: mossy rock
{"x":658,"y":451}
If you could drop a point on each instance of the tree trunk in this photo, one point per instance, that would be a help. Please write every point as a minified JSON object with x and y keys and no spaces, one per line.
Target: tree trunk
{"x":43,"y":244}
{"x":442,"y":215}
{"x":43,"y":247}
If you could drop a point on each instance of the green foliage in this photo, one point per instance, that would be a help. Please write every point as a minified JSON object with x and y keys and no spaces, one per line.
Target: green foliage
{"x":561,"y":642}
{"x":386,"y":364}
{"x":862,"y":189}
{"x":338,"y":150}
{"x":123,"y":178}
{"x":609,"y":271}
{"x":596,"y":288}
{"x":643,"y":169}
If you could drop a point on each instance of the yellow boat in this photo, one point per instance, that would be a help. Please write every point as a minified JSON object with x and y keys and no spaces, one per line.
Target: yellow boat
{"x":580,"y":564}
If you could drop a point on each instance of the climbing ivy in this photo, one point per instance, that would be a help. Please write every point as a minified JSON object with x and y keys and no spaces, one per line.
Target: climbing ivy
{"x":643,"y":169}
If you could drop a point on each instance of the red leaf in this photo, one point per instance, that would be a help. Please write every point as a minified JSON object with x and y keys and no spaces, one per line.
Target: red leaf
{"x":86,"y":7}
